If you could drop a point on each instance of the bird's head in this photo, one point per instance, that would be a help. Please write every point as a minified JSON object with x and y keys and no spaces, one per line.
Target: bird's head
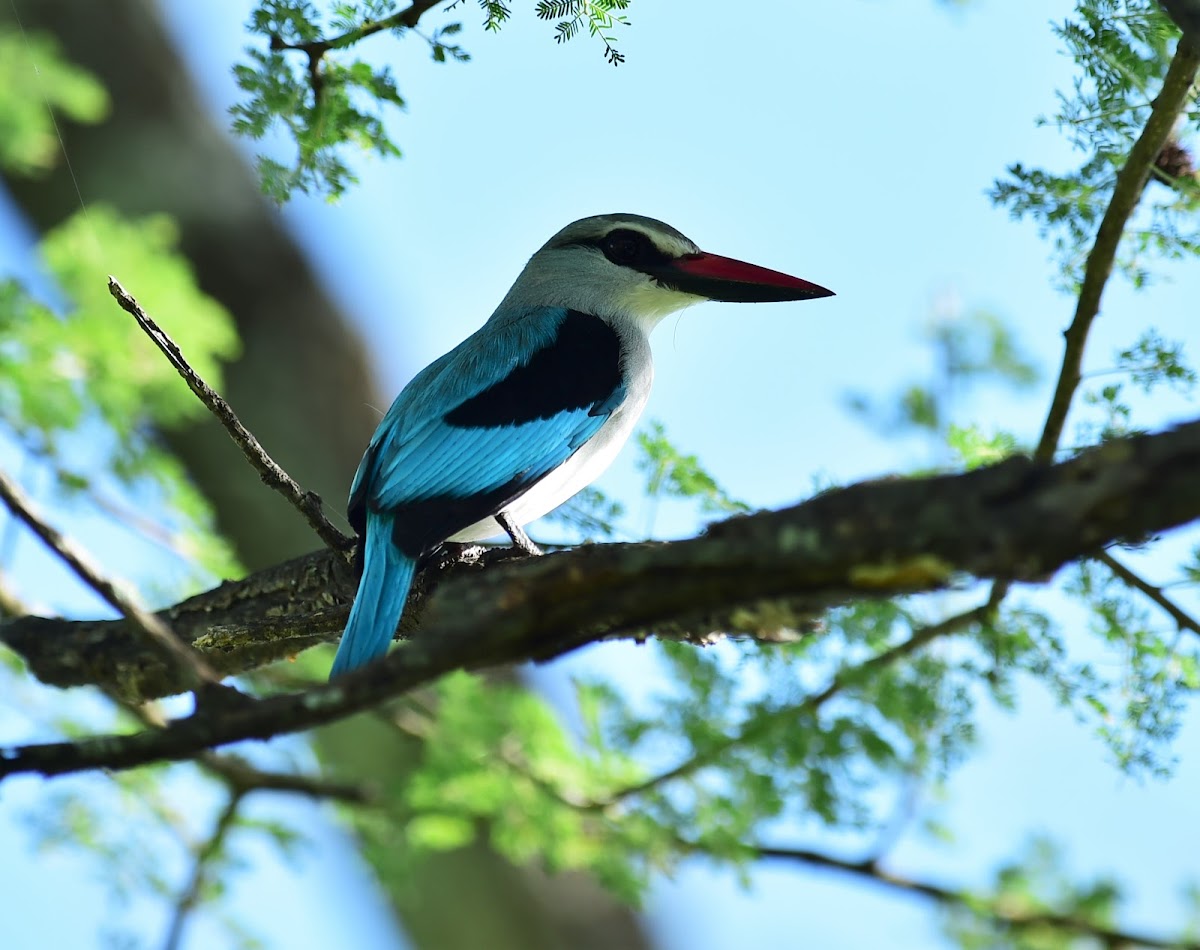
{"x":613,"y":264}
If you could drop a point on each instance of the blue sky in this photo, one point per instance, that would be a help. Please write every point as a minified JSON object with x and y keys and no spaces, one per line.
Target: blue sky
{"x":848,"y":143}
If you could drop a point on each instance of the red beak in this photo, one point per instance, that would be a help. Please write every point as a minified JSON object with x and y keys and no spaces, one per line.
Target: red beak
{"x":723,"y":278}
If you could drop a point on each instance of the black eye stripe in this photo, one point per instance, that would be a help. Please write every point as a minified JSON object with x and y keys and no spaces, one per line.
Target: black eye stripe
{"x":626,"y":247}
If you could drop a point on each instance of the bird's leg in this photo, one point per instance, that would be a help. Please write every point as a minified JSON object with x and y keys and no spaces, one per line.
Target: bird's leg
{"x":519,"y":538}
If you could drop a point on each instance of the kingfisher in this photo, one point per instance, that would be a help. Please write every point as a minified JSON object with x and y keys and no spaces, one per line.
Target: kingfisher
{"x":530,"y":408}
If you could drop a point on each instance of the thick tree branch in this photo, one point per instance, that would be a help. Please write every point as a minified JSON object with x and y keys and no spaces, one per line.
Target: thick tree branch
{"x":273,"y":476}
{"x":1017,"y":520}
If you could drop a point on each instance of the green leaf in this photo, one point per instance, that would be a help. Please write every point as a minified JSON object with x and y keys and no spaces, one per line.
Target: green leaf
{"x":36,"y":82}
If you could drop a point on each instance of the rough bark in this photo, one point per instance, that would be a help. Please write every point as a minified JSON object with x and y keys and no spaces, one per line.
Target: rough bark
{"x":1016,"y":521}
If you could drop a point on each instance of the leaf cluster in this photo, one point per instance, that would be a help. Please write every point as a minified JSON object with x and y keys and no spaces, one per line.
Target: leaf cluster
{"x":33,"y":64}
{"x":82,"y":392}
{"x":1121,"y":48}
{"x":309,"y":98}
{"x":323,"y":104}
{"x":600,"y":17}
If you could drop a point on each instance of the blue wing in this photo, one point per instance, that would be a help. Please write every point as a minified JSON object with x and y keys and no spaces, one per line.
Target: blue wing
{"x":480,"y":426}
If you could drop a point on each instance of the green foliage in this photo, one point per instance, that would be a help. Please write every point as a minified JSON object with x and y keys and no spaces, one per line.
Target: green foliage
{"x":304,"y":91}
{"x":590,"y":513}
{"x":1137,"y":711}
{"x":1121,"y":48}
{"x":673,"y":474}
{"x":599,"y":16}
{"x":322,"y":126}
{"x":971,"y":448}
{"x":325,"y":104}
{"x":970,"y":351}
{"x":497,"y":760}
{"x":142,"y":843}
{"x":1037,"y":887}
{"x":37,"y":83}
{"x":89,"y":376}
{"x":1150,"y":363}
{"x":1153,"y":360}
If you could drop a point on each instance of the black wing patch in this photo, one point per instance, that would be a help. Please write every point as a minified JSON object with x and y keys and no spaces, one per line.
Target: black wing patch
{"x":422,"y":525}
{"x":578,"y":369}
{"x":356,"y":507}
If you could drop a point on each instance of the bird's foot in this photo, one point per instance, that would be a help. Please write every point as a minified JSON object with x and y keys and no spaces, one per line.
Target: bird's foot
{"x":519,"y":538}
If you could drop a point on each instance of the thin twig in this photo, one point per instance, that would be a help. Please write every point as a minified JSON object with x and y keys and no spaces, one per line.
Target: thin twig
{"x":315,"y":50}
{"x":763,"y":724}
{"x":245,"y":778}
{"x":1182,"y":618}
{"x":406,"y":18}
{"x":189,"y":898}
{"x":191,"y":663}
{"x":1003,"y":912}
{"x":306,"y":502}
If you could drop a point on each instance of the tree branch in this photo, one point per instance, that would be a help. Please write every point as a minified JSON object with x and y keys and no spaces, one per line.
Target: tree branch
{"x":1182,"y":618}
{"x":1127,"y":192}
{"x":315,"y":50}
{"x":1185,"y":14}
{"x":1131,"y":181}
{"x":189,"y":898}
{"x":307,"y":503}
{"x":192,"y":668}
{"x":1003,"y":912}
{"x":1017,"y":520}
{"x":763,"y":723}
{"x":402,"y":19}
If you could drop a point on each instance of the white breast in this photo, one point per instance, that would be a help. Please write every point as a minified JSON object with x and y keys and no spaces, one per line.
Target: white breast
{"x":595,"y":455}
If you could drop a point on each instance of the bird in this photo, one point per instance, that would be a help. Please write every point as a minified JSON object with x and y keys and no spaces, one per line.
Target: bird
{"x":530,"y":408}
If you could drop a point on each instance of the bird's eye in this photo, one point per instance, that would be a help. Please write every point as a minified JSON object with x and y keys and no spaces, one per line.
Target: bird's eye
{"x":624,"y":247}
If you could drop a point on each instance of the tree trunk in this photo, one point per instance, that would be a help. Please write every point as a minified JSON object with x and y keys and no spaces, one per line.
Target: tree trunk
{"x":302,"y":385}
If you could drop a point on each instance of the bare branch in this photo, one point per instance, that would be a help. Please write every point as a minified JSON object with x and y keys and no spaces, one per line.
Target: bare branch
{"x":1016,"y":520}
{"x":244,"y":778}
{"x":192,"y":666}
{"x":1006,"y":913}
{"x":306,"y":502}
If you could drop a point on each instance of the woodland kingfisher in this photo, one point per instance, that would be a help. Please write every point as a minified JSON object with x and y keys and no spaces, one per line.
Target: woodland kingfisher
{"x":531,"y":407}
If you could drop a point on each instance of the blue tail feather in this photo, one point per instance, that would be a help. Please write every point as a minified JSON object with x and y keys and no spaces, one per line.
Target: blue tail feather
{"x":386,"y":578}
